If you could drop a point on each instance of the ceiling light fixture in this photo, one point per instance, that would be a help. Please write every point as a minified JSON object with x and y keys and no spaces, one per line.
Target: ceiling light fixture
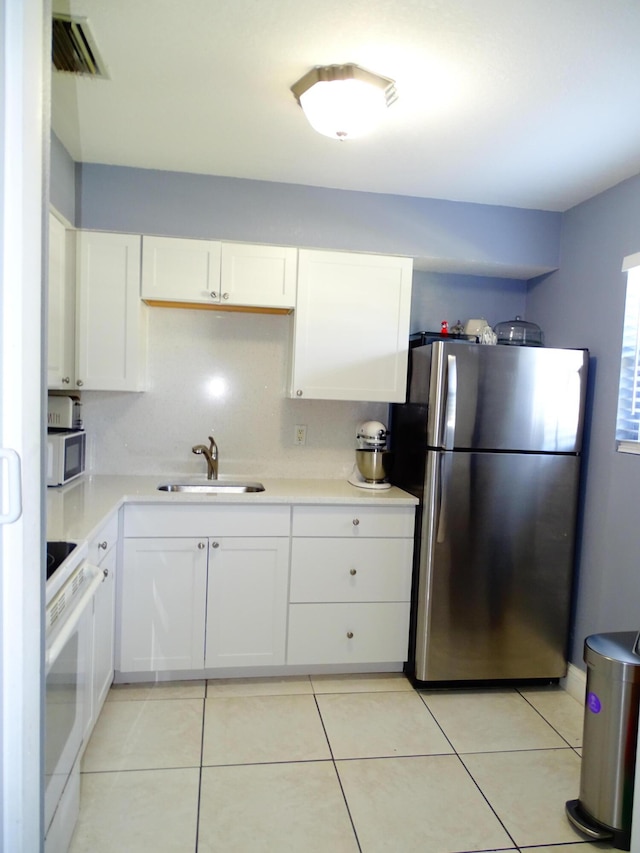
{"x":344,"y":101}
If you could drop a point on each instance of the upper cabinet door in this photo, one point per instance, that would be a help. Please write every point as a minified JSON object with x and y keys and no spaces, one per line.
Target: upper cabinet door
{"x":111,"y":342}
{"x":180,"y":270}
{"x":263,"y":276}
{"x":61,"y":307}
{"x":351,"y":328}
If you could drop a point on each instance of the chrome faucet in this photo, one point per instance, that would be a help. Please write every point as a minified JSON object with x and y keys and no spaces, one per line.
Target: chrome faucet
{"x":211,"y":455}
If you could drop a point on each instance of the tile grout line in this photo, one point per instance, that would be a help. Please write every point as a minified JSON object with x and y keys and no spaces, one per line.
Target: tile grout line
{"x":467,"y":771}
{"x":199,"y":797}
{"x":531,"y":705}
{"x":335,"y":770}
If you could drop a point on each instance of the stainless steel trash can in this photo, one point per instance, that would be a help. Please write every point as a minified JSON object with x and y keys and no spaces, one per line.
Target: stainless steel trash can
{"x":610,"y":734}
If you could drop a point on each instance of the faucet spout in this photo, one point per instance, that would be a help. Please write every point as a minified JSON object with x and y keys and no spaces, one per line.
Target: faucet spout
{"x":211,"y":455}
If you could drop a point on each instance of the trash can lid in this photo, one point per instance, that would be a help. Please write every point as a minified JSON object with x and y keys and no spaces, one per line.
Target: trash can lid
{"x":616,"y":650}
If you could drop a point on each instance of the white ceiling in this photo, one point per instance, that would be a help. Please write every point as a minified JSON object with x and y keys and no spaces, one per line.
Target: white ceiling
{"x":530,"y":103}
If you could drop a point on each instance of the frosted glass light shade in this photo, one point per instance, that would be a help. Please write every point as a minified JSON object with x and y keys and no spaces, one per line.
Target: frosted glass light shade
{"x":344,"y":101}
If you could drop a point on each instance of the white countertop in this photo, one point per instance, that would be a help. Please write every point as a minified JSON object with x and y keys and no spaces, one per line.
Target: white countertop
{"x":76,"y":511}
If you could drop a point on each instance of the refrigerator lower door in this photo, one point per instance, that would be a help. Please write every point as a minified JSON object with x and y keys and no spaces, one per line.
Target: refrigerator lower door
{"x":495,"y":566}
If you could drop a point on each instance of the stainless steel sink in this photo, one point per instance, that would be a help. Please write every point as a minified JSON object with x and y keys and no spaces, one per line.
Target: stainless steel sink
{"x":212,"y":487}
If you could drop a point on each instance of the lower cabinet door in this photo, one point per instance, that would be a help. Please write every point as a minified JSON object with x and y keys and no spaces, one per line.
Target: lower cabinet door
{"x":348,"y":633}
{"x":247,"y":601}
{"x":103,"y":632}
{"x":164,"y":590}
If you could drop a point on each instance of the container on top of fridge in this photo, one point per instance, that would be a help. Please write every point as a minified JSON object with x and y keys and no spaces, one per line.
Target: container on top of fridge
{"x":519,"y":332}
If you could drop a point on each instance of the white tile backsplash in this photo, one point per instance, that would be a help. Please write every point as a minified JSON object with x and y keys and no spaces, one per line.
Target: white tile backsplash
{"x":226,"y":372}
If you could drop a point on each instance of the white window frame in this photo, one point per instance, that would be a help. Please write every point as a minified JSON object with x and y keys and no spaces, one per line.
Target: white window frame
{"x":628,"y":414}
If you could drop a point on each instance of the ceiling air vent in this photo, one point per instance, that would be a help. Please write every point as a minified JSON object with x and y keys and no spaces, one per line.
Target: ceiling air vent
{"x":73,"y":48}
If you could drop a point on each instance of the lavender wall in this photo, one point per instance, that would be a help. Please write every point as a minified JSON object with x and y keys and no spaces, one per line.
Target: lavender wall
{"x":445,"y":236}
{"x":582,"y":305}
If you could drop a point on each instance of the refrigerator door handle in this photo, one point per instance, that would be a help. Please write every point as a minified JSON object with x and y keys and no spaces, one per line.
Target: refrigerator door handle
{"x":450,"y":404}
{"x":444,"y":463}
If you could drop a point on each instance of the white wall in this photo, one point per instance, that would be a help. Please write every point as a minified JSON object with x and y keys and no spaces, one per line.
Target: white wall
{"x":225,"y":372}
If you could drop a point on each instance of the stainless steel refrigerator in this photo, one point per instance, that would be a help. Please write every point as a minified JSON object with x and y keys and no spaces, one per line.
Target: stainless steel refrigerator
{"x":490,"y":441}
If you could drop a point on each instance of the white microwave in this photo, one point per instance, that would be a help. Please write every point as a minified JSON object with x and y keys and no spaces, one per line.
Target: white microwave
{"x":66,"y":454}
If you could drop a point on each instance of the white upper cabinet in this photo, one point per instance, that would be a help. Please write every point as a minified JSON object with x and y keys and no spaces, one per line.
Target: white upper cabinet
{"x":207,"y":272}
{"x":61,"y":307}
{"x":351,"y":327}
{"x":180,"y":270}
{"x":258,"y":275}
{"x":111,"y":339}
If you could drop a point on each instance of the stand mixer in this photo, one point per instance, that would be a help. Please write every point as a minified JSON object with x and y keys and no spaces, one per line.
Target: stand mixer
{"x":373,"y":460}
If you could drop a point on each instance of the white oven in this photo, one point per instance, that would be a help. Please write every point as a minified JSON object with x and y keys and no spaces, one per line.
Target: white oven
{"x":68,"y":643}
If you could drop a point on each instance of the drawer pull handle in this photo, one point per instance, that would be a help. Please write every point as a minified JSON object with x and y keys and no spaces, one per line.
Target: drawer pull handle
{"x":103,"y":545}
{"x":352,"y":571}
{"x":350,"y":634}
{"x":356,"y":522}
{"x":201,"y":546}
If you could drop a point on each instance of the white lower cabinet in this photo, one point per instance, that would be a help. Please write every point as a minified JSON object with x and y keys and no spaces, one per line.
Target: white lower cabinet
{"x":267,"y":586}
{"x":102,"y":554}
{"x":348,"y":633}
{"x":350,"y":585}
{"x":163,"y":611}
{"x":247,"y":602}
{"x":192,"y":602}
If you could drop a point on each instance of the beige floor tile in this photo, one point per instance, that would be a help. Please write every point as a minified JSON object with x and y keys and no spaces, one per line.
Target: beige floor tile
{"x":274,"y":807}
{"x":528,"y":791}
{"x":144,"y":735}
{"x":368,"y":725}
{"x":427,"y":804}
{"x":289,"y":686}
{"x":483,"y":721}
{"x":373,"y":683}
{"x":137,"y":812}
{"x":259,"y":729}
{"x":559,"y":709}
{"x":157,"y":690}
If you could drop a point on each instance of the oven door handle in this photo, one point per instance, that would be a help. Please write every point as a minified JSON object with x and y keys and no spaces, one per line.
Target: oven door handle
{"x":71,"y":624}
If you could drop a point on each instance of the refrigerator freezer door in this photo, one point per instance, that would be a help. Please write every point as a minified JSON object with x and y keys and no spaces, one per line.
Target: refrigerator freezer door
{"x":500,"y":398}
{"x":496,"y":565}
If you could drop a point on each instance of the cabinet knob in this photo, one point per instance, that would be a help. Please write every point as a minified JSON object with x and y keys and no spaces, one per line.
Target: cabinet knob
{"x":215,"y":544}
{"x":352,"y":571}
{"x":79,"y":383}
{"x":201,"y":546}
{"x":298,"y":393}
{"x":66,"y":380}
{"x":350,"y":635}
{"x":214,"y":295}
{"x":356,"y":522}
{"x":105,"y":573}
{"x":225,"y":295}
{"x":102,"y":545}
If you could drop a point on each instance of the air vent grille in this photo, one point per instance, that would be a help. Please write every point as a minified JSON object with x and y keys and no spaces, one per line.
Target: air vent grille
{"x":73,"y":48}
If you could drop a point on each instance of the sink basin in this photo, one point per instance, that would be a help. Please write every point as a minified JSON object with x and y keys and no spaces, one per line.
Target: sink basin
{"x":212,"y":487}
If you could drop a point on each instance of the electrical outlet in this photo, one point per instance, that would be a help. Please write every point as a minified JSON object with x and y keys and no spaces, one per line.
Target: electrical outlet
{"x":300,"y":434}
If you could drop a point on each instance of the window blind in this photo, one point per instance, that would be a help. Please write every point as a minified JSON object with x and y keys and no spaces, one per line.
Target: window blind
{"x":628,"y":419}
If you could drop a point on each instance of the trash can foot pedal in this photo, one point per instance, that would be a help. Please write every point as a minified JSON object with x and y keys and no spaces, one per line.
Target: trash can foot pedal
{"x":585,"y":824}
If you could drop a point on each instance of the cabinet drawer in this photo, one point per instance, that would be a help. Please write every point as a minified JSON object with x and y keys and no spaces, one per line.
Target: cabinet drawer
{"x":351,"y":570}
{"x":354,"y":521}
{"x":320,"y":633}
{"x":212,"y":520}
{"x":104,"y":540}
